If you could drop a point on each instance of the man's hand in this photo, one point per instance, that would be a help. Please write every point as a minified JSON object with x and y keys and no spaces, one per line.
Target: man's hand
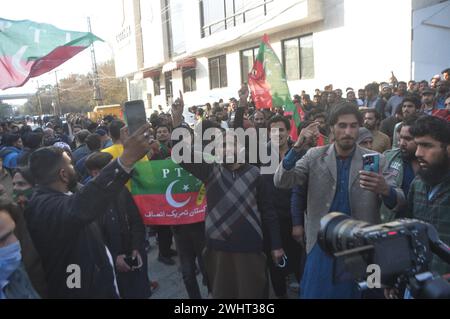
{"x":121,"y":265}
{"x":276,"y":255}
{"x":373,"y":182}
{"x":135,"y":146}
{"x":135,"y":254}
{"x":307,"y":135}
{"x":298,"y":233}
{"x":177,"y":111}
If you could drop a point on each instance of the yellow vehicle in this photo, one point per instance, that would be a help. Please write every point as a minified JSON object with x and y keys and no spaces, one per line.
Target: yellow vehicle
{"x":100,"y":112}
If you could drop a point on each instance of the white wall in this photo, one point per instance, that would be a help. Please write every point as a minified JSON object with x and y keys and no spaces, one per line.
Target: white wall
{"x":355,"y":42}
{"x":125,"y":47}
{"x":152,"y":34}
{"x":431,"y":43}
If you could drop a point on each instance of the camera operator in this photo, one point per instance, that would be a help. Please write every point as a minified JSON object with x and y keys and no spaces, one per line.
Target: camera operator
{"x":429,"y":194}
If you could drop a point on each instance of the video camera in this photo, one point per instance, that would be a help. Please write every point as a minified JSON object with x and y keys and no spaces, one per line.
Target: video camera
{"x":403,"y":250}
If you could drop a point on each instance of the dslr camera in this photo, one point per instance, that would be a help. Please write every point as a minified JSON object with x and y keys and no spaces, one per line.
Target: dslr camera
{"x":403,"y":249}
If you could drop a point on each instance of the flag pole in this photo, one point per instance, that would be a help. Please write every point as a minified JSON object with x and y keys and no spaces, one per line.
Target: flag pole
{"x":58,"y":107}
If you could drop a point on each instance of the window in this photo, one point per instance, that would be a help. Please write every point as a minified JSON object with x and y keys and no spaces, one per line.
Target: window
{"x":298,"y":58}
{"x":218,"y":72}
{"x":173,"y":19}
{"x":137,"y":87}
{"x":219,"y":15}
{"x":156,"y":85}
{"x":168,"y":83}
{"x":248,"y":58}
{"x":189,"y":79}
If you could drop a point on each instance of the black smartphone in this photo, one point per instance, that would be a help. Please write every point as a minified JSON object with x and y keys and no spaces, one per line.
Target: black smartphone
{"x":135,"y":116}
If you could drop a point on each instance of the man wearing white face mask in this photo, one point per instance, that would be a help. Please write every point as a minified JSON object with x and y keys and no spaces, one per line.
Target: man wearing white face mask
{"x":14,"y":281}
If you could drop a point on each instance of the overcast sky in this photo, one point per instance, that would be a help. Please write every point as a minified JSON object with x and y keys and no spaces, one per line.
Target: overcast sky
{"x":106,"y":17}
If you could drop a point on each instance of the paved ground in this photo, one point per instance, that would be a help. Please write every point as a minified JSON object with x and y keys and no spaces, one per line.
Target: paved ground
{"x":171,"y":284}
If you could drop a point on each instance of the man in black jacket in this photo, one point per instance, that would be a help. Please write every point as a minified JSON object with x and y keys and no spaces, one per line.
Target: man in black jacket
{"x":124,"y":235}
{"x":76,"y":261}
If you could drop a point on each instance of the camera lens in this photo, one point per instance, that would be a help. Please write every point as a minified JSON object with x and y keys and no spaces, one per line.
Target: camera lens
{"x":338,"y":232}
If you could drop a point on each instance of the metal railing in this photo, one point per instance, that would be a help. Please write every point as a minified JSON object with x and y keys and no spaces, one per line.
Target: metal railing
{"x":233,"y":18}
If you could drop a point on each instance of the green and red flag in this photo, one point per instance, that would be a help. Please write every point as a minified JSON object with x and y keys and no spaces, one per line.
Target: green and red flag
{"x":166,"y":194}
{"x":29,"y":49}
{"x":268,"y":84}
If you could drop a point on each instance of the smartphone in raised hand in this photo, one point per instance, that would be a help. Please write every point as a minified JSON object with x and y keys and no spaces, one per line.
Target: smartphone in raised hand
{"x":135,"y":116}
{"x":371,"y":162}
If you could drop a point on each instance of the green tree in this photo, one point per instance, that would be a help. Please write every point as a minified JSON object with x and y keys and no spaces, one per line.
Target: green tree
{"x":6,"y":110}
{"x":114,"y":90}
{"x":76,"y":92}
{"x":47,"y":96}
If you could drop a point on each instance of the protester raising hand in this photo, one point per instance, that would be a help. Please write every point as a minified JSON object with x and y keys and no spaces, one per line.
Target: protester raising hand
{"x":177,"y":111}
{"x":307,"y":136}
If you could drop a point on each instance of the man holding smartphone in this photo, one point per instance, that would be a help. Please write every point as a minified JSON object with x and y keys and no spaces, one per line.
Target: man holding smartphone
{"x":331,"y":174}
{"x":62,"y":225}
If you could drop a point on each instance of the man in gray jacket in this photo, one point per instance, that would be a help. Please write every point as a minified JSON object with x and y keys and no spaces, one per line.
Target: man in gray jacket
{"x":337,"y":183}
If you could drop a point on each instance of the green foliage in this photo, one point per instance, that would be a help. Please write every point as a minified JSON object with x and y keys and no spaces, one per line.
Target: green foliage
{"x":76,"y":92}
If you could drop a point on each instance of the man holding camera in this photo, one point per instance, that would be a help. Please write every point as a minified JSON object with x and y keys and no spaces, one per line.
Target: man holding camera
{"x":429,"y":194}
{"x":338,"y":165}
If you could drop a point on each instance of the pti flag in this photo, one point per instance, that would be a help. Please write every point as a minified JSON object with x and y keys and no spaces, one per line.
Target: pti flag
{"x":268,"y":84}
{"x":29,"y":49}
{"x":166,"y":194}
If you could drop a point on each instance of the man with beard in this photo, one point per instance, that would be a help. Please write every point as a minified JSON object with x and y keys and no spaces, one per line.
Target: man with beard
{"x":381,"y":141}
{"x":410,"y":105}
{"x":429,"y":194}
{"x":76,"y":262}
{"x":335,"y":183}
{"x":259,"y":120}
{"x":442,"y":88}
{"x":402,"y":163}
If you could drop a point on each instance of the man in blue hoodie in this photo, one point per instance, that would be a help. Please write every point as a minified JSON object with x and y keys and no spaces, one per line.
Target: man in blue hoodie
{"x":10,"y":152}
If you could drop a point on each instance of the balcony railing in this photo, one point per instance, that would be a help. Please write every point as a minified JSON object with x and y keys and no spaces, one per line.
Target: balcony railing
{"x":232,"y":20}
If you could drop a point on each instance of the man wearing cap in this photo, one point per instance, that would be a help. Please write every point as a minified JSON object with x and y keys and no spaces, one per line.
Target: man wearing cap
{"x":428,"y":105}
{"x":365,"y":138}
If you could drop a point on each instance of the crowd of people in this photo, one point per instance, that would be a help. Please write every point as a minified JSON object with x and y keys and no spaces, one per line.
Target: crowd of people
{"x":71,"y":201}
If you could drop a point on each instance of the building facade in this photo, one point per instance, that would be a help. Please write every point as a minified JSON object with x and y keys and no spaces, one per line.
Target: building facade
{"x":205,"y":48}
